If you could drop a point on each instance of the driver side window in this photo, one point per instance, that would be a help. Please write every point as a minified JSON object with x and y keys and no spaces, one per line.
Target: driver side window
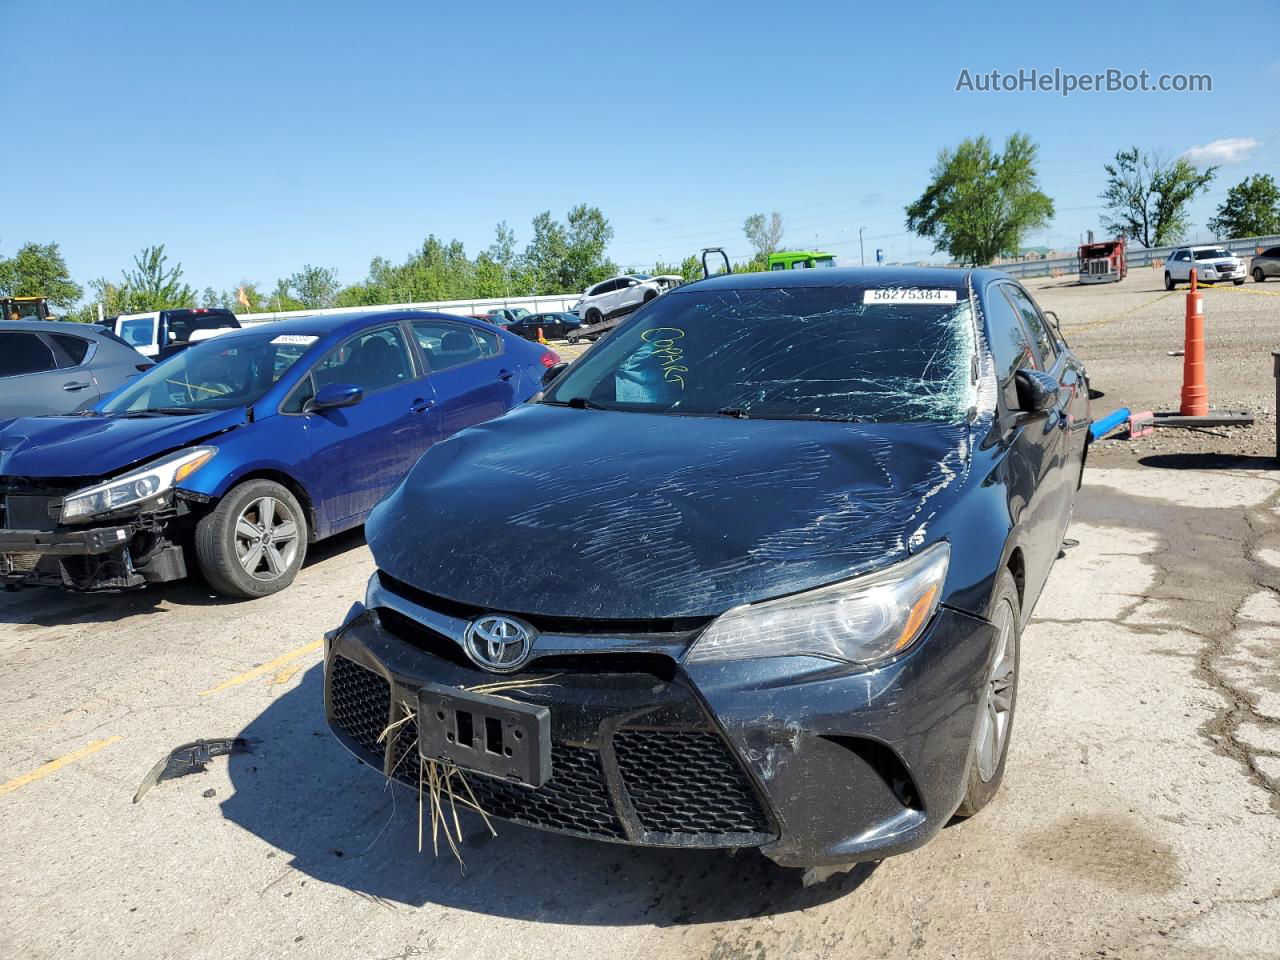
{"x":372,"y":361}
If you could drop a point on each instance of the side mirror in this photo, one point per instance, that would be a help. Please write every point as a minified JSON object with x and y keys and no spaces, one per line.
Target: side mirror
{"x":1037,"y":392}
{"x":334,"y":395}
{"x":554,"y":371}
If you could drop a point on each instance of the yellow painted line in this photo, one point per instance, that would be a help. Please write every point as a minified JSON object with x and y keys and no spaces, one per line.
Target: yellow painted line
{"x":1234,"y":289}
{"x":284,"y":674}
{"x":267,"y":667}
{"x":1123,"y":314}
{"x":54,"y":765}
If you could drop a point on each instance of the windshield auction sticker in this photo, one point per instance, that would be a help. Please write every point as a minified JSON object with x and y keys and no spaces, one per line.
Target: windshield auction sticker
{"x":298,"y":338}
{"x":908,"y":295}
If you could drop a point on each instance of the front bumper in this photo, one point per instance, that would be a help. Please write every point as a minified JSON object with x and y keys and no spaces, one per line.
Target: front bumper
{"x":116,"y":557}
{"x":812,"y":762}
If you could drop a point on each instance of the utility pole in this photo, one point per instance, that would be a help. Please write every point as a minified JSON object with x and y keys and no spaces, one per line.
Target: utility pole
{"x":861,"y":253}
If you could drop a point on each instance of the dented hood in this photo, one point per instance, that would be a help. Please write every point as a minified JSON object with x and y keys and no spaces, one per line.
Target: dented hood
{"x":97,"y":446}
{"x":602,"y":514}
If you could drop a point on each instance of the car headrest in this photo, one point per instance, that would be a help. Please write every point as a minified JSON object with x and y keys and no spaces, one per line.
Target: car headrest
{"x":455,"y":341}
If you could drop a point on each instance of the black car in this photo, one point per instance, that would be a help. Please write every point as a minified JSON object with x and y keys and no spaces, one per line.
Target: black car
{"x":554,"y":326}
{"x":769,"y":548}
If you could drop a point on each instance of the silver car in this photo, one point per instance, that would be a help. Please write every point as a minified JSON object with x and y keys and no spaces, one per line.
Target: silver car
{"x":60,"y":367}
{"x":1266,"y":264}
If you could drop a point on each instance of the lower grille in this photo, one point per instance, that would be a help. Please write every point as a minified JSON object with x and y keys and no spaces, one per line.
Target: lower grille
{"x":686,"y":783}
{"x":575,"y":799}
{"x":361,"y":702}
{"x":679,"y":782}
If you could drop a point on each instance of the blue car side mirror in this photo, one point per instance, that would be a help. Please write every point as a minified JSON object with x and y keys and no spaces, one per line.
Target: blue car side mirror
{"x":334,"y":395}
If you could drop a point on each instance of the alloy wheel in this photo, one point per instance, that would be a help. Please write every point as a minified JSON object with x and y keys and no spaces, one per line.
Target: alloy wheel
{"x":266,"y":535}
{"x":993,"y":733}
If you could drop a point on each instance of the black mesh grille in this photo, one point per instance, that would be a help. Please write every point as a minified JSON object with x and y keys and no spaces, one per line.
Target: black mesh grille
{"x":683,"y":783}
{"x":574,"y":799}
{"x":361,"y":701}
{"x":686,"y":782}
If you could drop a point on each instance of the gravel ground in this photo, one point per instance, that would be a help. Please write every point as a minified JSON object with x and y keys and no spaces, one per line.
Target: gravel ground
{"x":1125,"y":333}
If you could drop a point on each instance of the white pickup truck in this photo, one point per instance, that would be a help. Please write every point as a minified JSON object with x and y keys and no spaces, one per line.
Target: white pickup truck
{"x":162,"y":333}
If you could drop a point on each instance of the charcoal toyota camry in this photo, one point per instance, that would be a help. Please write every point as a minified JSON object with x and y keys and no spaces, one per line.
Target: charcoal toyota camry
{"x":769,"y":548}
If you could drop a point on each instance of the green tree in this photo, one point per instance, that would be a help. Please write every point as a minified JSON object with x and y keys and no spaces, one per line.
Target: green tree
{"x":765,"y":234}
{"x":503,"y":253}
{"x":1252,"y":209}
{"x":690,"y":268}
{"x":211,"y":299}
{"x":979,"y":203}
{"x":545,"y":253}
{"x":153,"y":285}
{"x":282,"y":298}
{"x":357,"y":295}
{"x":38,"y":270}
{"x":1147,"y":197}
{"x":568,"y":257}
{"x":314,"y":287}
{"x":491,"y":278}
{"x":587,"y":234}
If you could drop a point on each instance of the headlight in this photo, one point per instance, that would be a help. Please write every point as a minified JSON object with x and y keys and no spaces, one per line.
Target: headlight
{"x":863,"y":620}
{"x":145,"y":483}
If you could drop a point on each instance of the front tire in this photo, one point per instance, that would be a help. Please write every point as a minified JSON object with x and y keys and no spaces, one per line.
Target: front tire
{"x":593,"y":317}
{"x":1168,"y":281}
{"x":253,"y":542}
{"x":1258,"y":275}
{"x":1239,"y":283}
{"x":990,"y":747}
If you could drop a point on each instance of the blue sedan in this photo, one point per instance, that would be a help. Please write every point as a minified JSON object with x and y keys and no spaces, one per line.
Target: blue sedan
{"x":245,"y":448}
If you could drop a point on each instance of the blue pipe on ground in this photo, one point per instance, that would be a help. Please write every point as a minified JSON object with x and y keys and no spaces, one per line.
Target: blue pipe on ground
{"x":1104,"y":425}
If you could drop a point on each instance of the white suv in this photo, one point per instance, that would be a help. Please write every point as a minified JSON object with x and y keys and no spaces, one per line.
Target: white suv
{"x":620,"y":295}
{"x":1212,"y":264}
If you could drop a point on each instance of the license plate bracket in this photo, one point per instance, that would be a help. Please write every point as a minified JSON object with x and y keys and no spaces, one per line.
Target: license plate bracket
{"x":487,"y":734}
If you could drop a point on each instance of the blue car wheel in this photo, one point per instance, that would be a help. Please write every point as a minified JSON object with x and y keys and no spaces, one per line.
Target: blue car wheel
{"x":253,"y":542}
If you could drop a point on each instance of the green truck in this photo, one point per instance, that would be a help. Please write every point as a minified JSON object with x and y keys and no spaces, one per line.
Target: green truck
{"x":800,"y":260}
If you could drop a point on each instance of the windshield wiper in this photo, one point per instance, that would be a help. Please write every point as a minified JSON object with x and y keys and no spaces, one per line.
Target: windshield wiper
{"x":164,"y":412}
{"x":736,"y":412}
{"x":584,"y":403}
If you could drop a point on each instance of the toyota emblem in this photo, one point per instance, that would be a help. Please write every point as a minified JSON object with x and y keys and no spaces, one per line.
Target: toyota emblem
{"x":498,"y":643}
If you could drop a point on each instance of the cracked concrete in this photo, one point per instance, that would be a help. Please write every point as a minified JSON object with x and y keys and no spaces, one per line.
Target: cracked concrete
{"x":1139,"y":816}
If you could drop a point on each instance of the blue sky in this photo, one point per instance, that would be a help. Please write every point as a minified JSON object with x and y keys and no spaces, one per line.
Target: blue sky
{"x":252,"y":138}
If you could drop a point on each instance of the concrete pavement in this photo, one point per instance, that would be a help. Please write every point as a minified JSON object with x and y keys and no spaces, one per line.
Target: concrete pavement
{"x":1140,"y":815}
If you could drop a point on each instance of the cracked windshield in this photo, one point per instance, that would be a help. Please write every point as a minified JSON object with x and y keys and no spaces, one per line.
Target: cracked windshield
{"x":802,"y":353}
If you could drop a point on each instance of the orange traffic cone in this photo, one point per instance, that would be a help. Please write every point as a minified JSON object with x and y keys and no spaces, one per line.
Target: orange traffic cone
{"x":1195,"y":390}
{"x":1194,"y":411}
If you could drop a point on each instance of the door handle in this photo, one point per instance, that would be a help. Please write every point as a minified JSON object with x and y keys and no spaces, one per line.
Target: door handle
{"x":505,"y":374}
{"x":419,"y":405}
{"x":72,"y":385}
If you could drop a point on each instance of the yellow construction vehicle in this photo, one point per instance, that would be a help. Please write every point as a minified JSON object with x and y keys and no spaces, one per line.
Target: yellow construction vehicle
{"x":24,"y":308}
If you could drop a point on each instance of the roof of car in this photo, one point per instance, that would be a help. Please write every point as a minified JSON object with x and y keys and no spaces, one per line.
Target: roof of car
{"x":322,"y":325}
{"x":50,"y":326}
{"x":948,"y":278}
